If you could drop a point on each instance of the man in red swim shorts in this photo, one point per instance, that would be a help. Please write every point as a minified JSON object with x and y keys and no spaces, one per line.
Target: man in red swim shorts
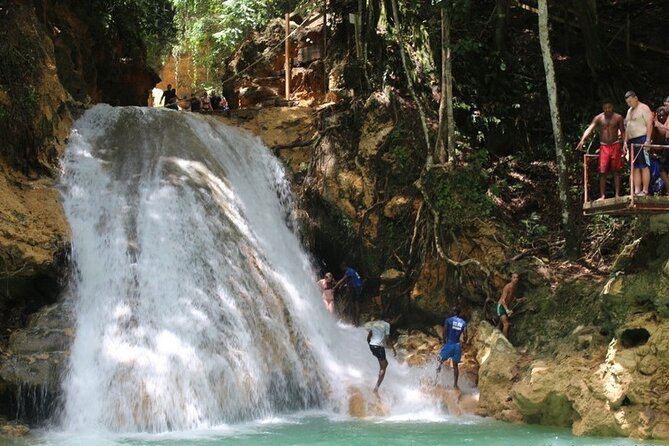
{"x":611,"y":129}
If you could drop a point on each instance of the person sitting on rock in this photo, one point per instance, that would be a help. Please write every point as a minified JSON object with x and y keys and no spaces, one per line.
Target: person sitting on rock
{"x":454,"y":328}
{"x":215,"y":101}
{"x":206,"y":102}
{"x":195,"y":104}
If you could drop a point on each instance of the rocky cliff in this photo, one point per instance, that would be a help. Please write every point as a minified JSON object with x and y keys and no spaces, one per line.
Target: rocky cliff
{"x":590,"y":345}
{"x":53,"y":62}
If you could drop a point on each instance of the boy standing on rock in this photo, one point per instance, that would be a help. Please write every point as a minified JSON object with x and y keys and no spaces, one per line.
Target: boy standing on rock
{"x":508,"y":296}
{"x":454,"y":328}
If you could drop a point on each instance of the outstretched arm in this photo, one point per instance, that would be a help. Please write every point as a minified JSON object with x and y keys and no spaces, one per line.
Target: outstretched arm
{"x":586,"y":134}
{"x":340,"y":283}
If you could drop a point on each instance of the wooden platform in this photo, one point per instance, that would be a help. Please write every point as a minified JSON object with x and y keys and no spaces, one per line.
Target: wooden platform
{"x":625,"y":206}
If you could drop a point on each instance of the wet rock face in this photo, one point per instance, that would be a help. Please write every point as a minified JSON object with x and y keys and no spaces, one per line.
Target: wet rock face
{"x":34,"y":363}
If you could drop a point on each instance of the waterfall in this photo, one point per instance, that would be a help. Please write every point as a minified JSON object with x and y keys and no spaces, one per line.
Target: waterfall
{"x":195,"y":302}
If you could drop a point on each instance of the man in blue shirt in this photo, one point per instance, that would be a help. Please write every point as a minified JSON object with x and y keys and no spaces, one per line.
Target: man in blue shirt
{"x":454,"y":328}
{"x":353,"y":280}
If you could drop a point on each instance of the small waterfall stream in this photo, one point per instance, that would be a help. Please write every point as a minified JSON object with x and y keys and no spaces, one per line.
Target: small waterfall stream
{"x":195,"y":302}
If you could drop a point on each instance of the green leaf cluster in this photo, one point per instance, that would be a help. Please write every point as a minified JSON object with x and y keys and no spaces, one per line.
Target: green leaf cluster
{"x":144,"y":26}
{"x":459,"y":195}
{"x":211,"y":30}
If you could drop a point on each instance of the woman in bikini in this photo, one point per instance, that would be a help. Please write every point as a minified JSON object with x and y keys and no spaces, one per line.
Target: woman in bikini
{"x":327,"y":285}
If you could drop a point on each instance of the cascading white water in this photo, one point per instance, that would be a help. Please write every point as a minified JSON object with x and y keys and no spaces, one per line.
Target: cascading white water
{"x":195,"y":302}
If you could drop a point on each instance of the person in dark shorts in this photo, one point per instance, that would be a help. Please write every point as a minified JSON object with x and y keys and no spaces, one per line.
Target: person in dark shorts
{"x":354,"y":282}
{"x":611,"y":128}
{"x":454,"y":328}
{"x":377,"y":339}
{"x":638,"y":131}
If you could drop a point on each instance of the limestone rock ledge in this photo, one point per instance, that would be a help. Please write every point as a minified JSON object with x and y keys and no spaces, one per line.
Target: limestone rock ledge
{"x":617,"y":390}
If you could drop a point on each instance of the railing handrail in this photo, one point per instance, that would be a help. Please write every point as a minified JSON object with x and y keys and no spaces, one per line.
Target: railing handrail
{"x":652,"y":146}
{"x":632,"y":157}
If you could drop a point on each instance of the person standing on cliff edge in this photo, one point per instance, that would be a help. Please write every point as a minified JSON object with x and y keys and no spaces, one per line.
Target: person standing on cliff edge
{"x":611,"y":134}
{"x":508,"y":296}
{"x":454,"y":328}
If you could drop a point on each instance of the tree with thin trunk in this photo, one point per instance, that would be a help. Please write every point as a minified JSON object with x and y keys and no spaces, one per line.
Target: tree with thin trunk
{"x":446,"y":133}
{"x":429,"y":159}
{"x":568,"y":225}
{"x":501,"y":21}
{"x":599,"y":60}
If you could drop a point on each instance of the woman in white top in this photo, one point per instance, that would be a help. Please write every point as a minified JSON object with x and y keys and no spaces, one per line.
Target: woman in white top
{"x":327,"y":285}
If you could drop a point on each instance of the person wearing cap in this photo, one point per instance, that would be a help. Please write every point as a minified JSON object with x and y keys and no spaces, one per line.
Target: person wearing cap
{"x":638,"y":131}
{"x":454,"y":328}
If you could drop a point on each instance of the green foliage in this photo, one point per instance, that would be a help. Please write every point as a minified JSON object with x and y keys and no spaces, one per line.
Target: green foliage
{"x":210,"y":30}
{"x":533,"y":228}
{"x":403,"y":160}
{"x":144,"y":26}
{"x":20,"y":62}
{"x":459,"y":195}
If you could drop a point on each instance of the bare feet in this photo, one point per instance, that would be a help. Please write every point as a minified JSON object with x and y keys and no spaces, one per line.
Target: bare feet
{"x":602,"y":198}
{"x":376,"y":391}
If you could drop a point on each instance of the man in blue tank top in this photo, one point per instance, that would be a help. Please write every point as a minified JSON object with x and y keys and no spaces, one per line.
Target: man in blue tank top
{"x":354,"y":282}
{"x":454,"y":328}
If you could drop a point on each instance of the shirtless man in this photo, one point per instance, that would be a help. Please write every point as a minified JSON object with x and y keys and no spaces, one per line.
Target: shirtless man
{"x":508,"y":296}
{"x":639,"y":130}
{"x":611,"y":129}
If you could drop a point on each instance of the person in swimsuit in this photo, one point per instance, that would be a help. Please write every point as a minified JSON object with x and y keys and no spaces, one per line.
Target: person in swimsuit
{"x":327,"y":286}
{"x":206,"y":102}
{"x":508,"y":296}
{"x":611,"y":132}
{"x":638,"y":131}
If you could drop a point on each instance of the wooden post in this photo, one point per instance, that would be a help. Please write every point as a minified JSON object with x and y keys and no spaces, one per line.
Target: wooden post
{"x":632,"y":187}
{"x":287,"y":64}
{"x":586,"y":197}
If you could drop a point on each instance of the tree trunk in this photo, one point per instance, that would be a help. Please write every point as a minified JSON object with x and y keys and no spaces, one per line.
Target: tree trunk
{"x":599,"y":62}
{"x":448,"y":81}
{"x":501,"y":20}
{"x":426,"y":133}
{"x":442,"y":137}
{"x":568,"y":225}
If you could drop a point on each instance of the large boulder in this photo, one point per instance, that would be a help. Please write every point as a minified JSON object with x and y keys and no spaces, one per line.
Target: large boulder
{"x":498,"y":370}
